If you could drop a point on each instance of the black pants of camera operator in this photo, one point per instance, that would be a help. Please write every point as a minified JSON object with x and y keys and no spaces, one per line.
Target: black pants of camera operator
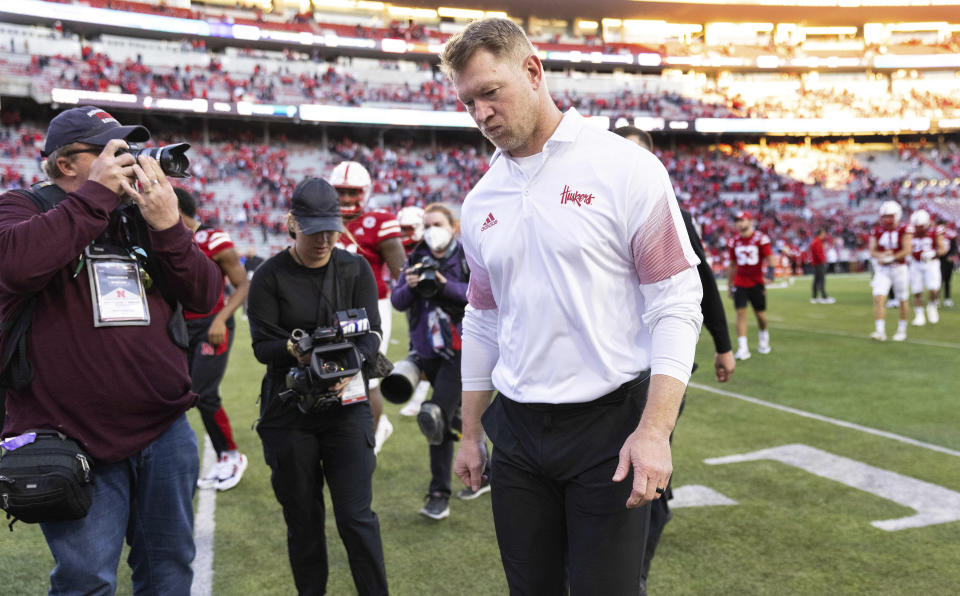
{"x":444,"y":376}
{"x":208,"y":365}
{"x":561,"y":522}
{"x":338,"y":449}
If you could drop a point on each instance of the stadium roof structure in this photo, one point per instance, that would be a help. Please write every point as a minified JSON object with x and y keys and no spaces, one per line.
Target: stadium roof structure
{"x":810,"y":12}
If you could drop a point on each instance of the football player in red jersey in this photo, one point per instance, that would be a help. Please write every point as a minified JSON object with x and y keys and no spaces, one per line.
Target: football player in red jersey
{"x":376,"y":236}
{"x":750,"y":251}
{"x":890,"y":244}
{"x":928,"y":245}
{"x":211,"y":336}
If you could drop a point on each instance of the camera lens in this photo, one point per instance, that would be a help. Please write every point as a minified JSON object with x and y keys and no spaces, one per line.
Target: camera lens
{"x":329,"y":367}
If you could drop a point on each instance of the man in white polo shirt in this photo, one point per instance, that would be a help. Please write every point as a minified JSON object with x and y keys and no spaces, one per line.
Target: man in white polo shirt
{"x":584,"y":314}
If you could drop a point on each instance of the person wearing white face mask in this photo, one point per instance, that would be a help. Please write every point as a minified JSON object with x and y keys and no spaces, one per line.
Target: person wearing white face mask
{"x":433,"y":293}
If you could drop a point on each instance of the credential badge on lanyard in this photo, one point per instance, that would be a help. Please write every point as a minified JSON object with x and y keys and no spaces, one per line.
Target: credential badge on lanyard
{"x":116,"y":287}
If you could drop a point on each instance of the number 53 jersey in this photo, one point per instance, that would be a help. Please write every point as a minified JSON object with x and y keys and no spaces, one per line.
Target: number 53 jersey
{"x":749,"y":253}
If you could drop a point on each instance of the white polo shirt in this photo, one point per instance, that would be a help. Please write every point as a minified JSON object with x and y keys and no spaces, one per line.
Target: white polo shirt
{"x":582,"y":274}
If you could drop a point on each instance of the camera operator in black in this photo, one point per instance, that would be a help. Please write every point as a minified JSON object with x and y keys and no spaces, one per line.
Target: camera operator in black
{"x":433,"y":292}
{"x":303,"y":287}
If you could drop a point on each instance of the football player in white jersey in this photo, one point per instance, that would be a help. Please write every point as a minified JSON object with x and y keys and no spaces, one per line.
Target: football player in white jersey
{"x":890,"y":244}
{"x":928,"y":244}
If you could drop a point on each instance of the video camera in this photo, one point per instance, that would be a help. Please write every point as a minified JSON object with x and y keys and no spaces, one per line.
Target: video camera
{"x":332,"y":359}
{"x":172,"y":158}
{"x":426,"y":270}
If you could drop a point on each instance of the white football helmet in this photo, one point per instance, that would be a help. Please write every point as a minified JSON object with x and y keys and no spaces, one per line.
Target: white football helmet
{"x":411,"y":225}
{"x":920,"y":219}
{"x":891,"y":208}
{"x":351,"y":175}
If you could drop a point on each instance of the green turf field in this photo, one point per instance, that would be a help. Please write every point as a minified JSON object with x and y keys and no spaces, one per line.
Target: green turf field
{"x":792,"y":531}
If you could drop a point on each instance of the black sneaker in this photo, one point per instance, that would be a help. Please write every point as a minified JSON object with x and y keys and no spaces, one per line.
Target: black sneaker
{"x":431,"y":423}
{"x":436,"y":507}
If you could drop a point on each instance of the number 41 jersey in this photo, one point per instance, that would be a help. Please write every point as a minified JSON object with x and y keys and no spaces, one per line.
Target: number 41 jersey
{"x":749,"y":253}
{"x":891,"y":240}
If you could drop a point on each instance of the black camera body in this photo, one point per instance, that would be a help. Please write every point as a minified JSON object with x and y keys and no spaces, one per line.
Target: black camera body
{"x":172,"y":158}
{"x":332,"y":359}
{"x":426,"y":270}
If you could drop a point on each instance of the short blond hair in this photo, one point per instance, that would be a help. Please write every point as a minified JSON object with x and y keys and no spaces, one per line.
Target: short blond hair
{"x":501,"y":37}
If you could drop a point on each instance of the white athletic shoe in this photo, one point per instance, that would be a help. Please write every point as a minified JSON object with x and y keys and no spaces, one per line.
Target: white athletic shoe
{"x":764,"y":348}
{"x":419,"y":396}
{"x":384,"y":430}
{"x":232,"y":466}
{"x":900,"y":336}
{"x":948,"y":303}
{"x":814,"y":301}
{"x":919,"y":320}
{"x":933,"y":315}
{"x":226,"y":473}
{"x":892,"y":304}
{"x":879,"y":336}
{"x":743,"y":354}
{"x":828,"y":300}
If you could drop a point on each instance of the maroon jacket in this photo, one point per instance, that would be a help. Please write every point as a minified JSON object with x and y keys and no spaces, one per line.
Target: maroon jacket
{"x":115,"y":389}
{"x":817,"y":256}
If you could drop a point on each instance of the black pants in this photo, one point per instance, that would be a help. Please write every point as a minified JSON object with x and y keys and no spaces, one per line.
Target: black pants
{"x":819,"y":281}
{"x":444,"y":377}
{"x":340,"y":451}
{"x":946,"y":272}
{"x":561,"y":522}
{"x":208,"y":364}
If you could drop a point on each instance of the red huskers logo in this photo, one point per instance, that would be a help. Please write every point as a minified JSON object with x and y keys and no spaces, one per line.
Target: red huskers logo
{"x":572,"y":196}
{"x":102,"y":115}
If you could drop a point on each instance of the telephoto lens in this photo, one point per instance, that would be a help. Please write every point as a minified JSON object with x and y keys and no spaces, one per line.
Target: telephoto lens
{"x":172,"y":158}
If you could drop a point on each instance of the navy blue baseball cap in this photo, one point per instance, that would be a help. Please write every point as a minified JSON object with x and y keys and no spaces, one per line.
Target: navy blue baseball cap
{"x":316,"y":207}
{"x":91,"y":125}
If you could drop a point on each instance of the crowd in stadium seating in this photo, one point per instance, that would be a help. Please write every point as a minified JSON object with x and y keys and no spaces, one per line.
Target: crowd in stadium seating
{"x":273,"y":82}
{"x":246,"y":185}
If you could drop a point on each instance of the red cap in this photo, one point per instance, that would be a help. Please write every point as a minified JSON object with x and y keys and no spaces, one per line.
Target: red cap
{"x":743,"y":215}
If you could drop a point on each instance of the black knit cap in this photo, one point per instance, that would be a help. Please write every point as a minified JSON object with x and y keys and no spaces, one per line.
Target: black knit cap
{"x":316,"y":207}
{"x":90,"y":125}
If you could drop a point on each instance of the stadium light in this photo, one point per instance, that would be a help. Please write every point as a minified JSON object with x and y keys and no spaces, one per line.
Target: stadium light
{"x":368,"y":5}
{"x":496,"y":14}
{"x":588,"y":25}
{"x":409,"y":11}
{"x":459,"y":13}
{"x":829,"y":30}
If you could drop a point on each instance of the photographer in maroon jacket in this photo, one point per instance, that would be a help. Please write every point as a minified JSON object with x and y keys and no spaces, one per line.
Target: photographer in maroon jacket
{"x":102,"y":242}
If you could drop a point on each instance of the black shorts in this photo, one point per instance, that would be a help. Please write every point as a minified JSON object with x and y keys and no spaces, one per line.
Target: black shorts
{"x":756,"y":295}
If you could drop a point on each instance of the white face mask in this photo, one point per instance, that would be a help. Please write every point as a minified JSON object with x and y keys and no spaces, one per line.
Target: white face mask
{"x":437,"y":238}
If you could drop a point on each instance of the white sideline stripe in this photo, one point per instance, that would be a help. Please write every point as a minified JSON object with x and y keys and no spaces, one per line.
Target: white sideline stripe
{"x":203,"y":529}
{"x":865,"y":337}
{"x":828,"y":420}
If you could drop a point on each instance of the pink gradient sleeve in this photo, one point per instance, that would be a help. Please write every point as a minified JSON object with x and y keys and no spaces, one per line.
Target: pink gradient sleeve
{"x":479,"y":294}
{"x":657,"y":251}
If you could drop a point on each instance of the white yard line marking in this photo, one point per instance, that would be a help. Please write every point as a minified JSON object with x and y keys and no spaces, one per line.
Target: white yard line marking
{"x":203,"y":529}
{"x":866,"y":336}
{"x":828,"y":420}
{"x":933,"y":504}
